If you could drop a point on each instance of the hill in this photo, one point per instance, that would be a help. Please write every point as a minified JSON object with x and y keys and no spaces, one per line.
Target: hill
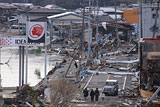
{"x":69,"y":4}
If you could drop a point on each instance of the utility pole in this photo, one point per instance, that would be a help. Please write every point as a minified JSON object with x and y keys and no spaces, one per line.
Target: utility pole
{"x":139,"y":44}
{"x":45,"y":57}
{"x":81,"y":43}
{"x":71,"y":37}
{"x":116,"y":28}
{"x":0,"y":71}
{"x":89,"y":31}
{"x":97,"y":29}
{"x":22,"y":65}
{"x":20,"y":70}
{"x":26,"y":79}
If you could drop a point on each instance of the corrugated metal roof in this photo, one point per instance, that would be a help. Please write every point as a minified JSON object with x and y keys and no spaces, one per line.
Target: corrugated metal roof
{"x":53,"y":6}
{"x":61,"y":15}
{"x":7,"y":6}
{"x":45,"y":10}
{"x":110,"y":9}
{"x":114,"y":17}
{"x":72,"y":16}
{"x":40,"y":10}
{"x":105,"y":18}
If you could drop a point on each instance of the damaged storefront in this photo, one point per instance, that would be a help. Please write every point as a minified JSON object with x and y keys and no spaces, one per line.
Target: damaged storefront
{"x":124,"y":30}
{"x":151,"y":59}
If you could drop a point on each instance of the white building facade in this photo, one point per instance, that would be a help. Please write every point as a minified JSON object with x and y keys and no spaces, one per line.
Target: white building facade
{"x":150,"y":21}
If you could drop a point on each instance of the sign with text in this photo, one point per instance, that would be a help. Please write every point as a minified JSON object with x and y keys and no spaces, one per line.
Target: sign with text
{"x":36,"y":32}
{"x":16,"y":41}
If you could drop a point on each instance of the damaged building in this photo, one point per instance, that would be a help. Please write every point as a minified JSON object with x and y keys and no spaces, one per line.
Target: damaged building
{"x":150,"y":47}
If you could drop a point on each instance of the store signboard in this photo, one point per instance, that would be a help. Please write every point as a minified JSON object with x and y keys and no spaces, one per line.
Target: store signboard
{"x":16,"y":41}
{"x":36,"y":36}
{"x":36,"y":32}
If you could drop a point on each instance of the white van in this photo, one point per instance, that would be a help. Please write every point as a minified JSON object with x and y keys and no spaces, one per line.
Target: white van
{"x":111,"y":87}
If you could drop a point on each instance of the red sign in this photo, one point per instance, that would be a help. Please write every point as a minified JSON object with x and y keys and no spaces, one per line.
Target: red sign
{"x":36,"y":32}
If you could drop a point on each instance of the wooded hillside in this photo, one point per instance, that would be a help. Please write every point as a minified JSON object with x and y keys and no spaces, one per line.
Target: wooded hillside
{"x":69,"y":4}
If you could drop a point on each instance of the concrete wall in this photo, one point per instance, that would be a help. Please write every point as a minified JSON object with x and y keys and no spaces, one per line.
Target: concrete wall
{"x":148,"y":21}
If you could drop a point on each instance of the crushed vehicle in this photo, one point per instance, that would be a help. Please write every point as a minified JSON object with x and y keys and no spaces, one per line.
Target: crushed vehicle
{"x":111,"y":87}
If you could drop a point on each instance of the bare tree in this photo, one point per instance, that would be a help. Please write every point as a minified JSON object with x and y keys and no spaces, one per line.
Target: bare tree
{"x":62,"y":92}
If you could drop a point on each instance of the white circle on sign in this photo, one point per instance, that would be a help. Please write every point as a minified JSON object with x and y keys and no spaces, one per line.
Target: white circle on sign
{"x":36,"y":32}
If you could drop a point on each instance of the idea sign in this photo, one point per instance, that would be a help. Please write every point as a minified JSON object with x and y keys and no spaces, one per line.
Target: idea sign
{"x":6,"y":41}
{"x":36,"y":32}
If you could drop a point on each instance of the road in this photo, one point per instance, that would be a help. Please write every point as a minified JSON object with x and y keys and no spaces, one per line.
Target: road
{"x":98,"y":81}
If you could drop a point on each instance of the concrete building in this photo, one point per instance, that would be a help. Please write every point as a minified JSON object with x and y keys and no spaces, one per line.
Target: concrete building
{"x":111,"y":12}
{"x":150,"y":22}
{"x":69,"y":22}
{"x":150,"y":47}
{"x":36,"y":13}
{"x":7,"y":12}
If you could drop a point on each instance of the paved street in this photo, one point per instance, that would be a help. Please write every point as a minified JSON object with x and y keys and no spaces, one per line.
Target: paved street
{"x":98,"y":81}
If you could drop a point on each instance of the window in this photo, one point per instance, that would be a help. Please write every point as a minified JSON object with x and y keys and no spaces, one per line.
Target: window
{"x":110,"y":83}
{"x":155,"y":16}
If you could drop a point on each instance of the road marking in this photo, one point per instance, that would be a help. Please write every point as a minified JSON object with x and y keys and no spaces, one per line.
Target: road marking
{"x":117,"y":76}
{"x":124,"y":84}
{"x":100,"y":89}
{"x":88,"y":105}
{"x":108,"y":76}
{"x":88,"y":81}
